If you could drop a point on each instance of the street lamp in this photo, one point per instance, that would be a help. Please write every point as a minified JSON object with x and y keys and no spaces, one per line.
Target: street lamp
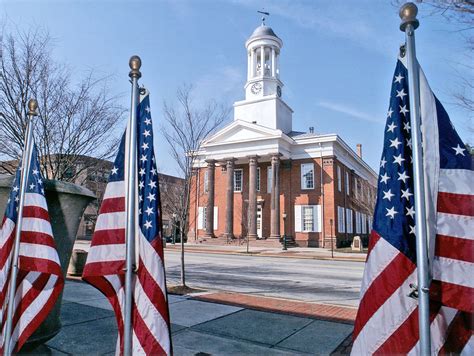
{"x":284,"y":232}
{"x":174,"y":229}
{"x":332,"y":240}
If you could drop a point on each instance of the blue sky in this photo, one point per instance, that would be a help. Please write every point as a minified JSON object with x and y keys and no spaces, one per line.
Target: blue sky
{"x":336,"y":63}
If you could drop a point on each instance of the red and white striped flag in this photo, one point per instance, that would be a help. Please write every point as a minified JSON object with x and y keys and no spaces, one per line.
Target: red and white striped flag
{"x":387,"y":319}
{"x":40,"y":279}
{"x":105,"y":264}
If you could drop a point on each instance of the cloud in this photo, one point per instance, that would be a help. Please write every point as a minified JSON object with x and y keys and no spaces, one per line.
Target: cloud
{"x":341,"y":108}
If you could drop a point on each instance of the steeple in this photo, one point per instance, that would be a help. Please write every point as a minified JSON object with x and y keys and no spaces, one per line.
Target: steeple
{"x":263,"y":89}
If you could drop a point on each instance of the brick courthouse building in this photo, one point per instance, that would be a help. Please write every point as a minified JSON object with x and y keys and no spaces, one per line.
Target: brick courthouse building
{"x":258,"y":178}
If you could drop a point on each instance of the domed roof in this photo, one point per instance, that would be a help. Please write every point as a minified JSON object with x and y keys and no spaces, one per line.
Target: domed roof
{"x":263,"y":30}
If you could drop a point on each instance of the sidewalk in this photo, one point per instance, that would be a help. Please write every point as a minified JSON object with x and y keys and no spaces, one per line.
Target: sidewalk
{"x":294,"y":252}
{"x":208,"y":324}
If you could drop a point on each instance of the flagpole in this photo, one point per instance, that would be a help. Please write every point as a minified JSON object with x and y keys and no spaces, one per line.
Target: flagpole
{"x":25,"y":169}
{"x":131,"y":176}
{"x":408,"y":25}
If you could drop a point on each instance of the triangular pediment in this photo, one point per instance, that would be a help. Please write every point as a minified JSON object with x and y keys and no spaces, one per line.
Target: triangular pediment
{"x":241,"y":131}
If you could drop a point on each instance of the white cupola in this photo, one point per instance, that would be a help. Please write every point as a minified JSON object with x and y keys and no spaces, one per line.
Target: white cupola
{"x":263,"y":89}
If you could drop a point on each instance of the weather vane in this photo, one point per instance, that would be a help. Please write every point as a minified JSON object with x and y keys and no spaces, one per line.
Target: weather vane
{"x":263,"y":17}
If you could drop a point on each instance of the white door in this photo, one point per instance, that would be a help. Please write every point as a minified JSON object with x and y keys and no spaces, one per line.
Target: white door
{"x":259,"y":221}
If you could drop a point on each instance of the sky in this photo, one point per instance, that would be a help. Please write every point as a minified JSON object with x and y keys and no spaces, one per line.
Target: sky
{"x":336,"y":63}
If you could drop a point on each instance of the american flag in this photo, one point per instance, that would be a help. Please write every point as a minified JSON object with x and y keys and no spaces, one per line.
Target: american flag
{"x":387,"y":319}
{"x":40,"y":279}
{"x":105,"y":264}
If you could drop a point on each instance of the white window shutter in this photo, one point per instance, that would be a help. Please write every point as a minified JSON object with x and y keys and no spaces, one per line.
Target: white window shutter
{"x":298,"y":226}
{"x":317,"y":218}
{"x":200,"y":218}
{"x":216,"y":216}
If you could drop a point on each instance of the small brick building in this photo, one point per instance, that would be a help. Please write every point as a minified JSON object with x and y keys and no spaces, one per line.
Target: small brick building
{"x":258,"y":178}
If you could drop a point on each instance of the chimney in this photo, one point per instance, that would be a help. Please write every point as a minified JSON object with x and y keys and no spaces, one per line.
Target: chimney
{"x":359,"y":150}
{"x":311,"y":129}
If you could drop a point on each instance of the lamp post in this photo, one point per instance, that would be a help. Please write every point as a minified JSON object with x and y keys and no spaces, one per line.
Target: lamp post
{"x":332,"y":240}
{"x":284,"y":232}
{"x":174,"y":229}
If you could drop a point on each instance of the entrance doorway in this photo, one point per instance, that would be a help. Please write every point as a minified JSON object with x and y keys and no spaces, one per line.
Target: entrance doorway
{"x":259,"y":221}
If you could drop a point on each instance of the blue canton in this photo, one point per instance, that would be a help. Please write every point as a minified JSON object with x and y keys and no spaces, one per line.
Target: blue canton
{"x":149,"y":209}
{"x":35,"y":185}
{"x":394,"y":216}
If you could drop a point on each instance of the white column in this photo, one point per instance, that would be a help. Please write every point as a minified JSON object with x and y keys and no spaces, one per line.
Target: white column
{"x":277,"y":65}
{"x":262,"y":60}
{"x":273,"y":63}
{"x":254,"y":62}
{"x":249,"y":63}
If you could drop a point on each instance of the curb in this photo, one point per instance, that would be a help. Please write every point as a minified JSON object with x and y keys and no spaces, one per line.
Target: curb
{"x":268,"y":254}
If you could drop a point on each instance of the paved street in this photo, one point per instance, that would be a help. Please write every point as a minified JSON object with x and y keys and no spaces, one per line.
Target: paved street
{"x":333,"y":282}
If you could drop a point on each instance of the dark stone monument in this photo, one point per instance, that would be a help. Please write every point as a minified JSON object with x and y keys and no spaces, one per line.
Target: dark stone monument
{"x":66,"y":204}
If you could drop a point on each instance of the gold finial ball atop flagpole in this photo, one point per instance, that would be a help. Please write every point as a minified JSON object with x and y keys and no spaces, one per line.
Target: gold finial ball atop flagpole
{"x":32,"y":106}
{"x":135,"y":64}
{"x":408,"y":14}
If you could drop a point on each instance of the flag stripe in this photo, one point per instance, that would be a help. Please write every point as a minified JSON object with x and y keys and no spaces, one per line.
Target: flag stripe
{"x":460,"y":204}
{"x":456,"y":181}
{"x":455,"y":225}
{"x":454,"y":248}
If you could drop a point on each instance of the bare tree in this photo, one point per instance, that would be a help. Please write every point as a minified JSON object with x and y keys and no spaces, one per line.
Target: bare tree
{"x":185,"y":129}
{"x":74,"y":120}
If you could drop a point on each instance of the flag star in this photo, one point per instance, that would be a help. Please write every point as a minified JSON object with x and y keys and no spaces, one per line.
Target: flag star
{"x":151,"y":197}
{"x":398,"y":78}
{"x":391,"y":127}
{"x":141,"y":172}
{"x":139,"y":211}
{"x":17,"y":198}
{"x":140,"y":198}
{"x":403,"y":176}
{"x":15,"y":188}
{"x":35,"y":171}
{"x":147,"y":224}
{"x":40,"y":181}
{"x":398,"y":159}
{"x":410,"y":211}
{"x":153,"y":171}
{"x":389,"y":113}
{"x":114,"y":170}
{"x":143,"y":158}
{"x":406,"y":126}
{"x":152,"y":184}
{"x":8,"y":201}
{"x":141,"y":185}
{"x":32,"y":186}
{"x":147,"y":109}
{"x":401,"y":93}
{"x":149,"y":210}
{"x":146,"y":133}
{"x":382,"y":162}
{"x":391,"y":212}
{"x":388,"y":195}
{"x":404,"y":110}
{"x":147,"y":122}
{"x":145,"y":146}
{"x":406,"y":194}
{"x":395,"y":143}
{"x":412,"y":230}
{"x":409,"y":144}
{"x":384,"y":178}
{"x":459,"y":150}
{"x":42,"y":191}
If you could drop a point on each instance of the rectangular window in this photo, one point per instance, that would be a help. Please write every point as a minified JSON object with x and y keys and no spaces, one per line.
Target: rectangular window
{"x":339,"y":178}
{"x":358,"y":222}
{"x":349,"y":221}
{"x":364,"y":223}
{"x":307,"y":176}
{"x":258,"y":179}
{"x":204,"y":220}
{"x":308,"y":219}
{"x":206,"y":181}
{"x":238,"y":179}
{"x":348,"y":184}
{"x":269,"y":179}
{"x":341,"y":226}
